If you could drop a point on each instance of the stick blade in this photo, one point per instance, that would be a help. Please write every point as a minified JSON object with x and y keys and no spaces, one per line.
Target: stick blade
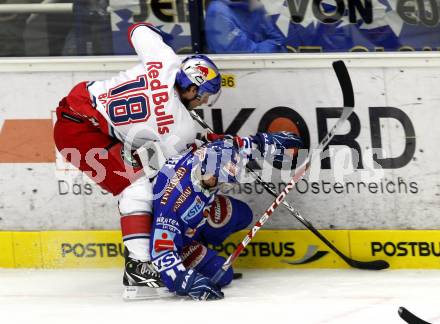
{"x":369,"y":265}
{"x":409,"y":317}
{"x":345,"y":83}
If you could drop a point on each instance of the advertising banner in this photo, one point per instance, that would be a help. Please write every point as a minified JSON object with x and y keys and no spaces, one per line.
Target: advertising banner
{"x":378,"y":170}
{"x":84,"y":249}
{"x":358,"y":25}
{"x":381,"y":171}
{"x":287,"y":249}
{"x":170,"y":16}
{"x":404,"y":249}
{"x":309,"y":26}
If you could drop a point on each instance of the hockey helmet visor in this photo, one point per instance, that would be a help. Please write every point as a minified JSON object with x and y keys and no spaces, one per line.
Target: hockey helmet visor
{"x":209,"y":98}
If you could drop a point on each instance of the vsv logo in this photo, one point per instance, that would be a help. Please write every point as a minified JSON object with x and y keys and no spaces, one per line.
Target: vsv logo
{"x":166,"y":261}
{"x":193,"y":210}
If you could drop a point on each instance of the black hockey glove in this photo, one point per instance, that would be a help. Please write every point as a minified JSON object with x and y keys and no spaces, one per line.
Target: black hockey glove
{"x":193,"y":284}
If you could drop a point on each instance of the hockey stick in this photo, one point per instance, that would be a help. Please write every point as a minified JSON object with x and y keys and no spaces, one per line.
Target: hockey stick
{"x":409,"y":317}
{"x":347,"y":89}
{"x":348,"y":95}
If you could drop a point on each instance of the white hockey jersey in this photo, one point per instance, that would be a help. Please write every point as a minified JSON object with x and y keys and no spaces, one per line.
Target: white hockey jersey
{"x":141,"y":105}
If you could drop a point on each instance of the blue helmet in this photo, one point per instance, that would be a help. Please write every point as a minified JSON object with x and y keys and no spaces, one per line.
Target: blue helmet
{"x":219,"y":159}
{"x":201,"y":71}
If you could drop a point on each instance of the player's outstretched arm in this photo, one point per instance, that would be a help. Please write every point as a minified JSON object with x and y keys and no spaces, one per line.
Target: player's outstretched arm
{"x":262,"y":145}
{"x":147,"y":41}
{"x":275,"y":144}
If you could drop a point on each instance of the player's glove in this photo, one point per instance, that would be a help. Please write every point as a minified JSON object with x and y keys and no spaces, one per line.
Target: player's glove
{"x":280,"y":140}
{"x":193,"y":284}
{"x":212,"y":137}
{"x":237,"y":141}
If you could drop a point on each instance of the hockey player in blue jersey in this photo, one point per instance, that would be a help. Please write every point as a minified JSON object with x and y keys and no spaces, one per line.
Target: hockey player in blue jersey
{"x":189,"y":213}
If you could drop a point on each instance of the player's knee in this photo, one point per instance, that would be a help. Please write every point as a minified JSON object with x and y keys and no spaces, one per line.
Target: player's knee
{"x":243,"y":214}
{"x":136,"y":198}
{"x":229,"y":213}
{"x":220,"y":212}
{"x":206,"y":261}
{"x":195,"y":255}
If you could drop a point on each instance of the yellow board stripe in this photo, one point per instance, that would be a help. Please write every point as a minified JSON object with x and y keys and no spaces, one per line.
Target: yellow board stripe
{"x":403,"y":249}
{"x":27,"y":249}
{"x":416,"y":249}
{"x":6,"y":250}
{"x":84,"y":249}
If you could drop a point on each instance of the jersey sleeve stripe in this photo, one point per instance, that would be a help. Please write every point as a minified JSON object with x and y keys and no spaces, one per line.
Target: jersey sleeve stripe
{"x":136,"y":224}
{"x":135,"y":237}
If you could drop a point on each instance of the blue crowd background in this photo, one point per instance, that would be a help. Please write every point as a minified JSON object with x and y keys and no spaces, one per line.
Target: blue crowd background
{"x":99,"y":27}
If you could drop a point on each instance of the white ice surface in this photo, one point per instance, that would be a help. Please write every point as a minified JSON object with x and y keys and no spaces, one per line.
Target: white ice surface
{"x":262,"y":296}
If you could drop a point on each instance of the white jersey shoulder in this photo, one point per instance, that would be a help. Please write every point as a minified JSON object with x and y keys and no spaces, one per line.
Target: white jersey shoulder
{"x":141,"y":104}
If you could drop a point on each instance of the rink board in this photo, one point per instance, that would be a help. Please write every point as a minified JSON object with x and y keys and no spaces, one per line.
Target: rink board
{"x":396,"y":110}
{"x":270,"y":249}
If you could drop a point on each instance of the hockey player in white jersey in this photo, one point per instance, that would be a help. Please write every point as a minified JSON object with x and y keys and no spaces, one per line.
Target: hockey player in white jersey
{"x":101,"y":124}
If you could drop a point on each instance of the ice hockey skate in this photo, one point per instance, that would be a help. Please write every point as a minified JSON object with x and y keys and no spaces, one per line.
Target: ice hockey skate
{"x":142,"y":281}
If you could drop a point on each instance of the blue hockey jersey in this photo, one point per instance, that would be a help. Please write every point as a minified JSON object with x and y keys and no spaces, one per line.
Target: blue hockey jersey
{"x":182,"y":206}
{"x":178,"y":214}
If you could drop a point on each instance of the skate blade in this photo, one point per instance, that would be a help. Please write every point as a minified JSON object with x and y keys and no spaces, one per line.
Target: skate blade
{"x":142,"y":293}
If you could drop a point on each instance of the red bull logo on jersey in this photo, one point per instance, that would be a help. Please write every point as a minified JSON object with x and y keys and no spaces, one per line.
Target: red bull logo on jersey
{"x":160,"y":98}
